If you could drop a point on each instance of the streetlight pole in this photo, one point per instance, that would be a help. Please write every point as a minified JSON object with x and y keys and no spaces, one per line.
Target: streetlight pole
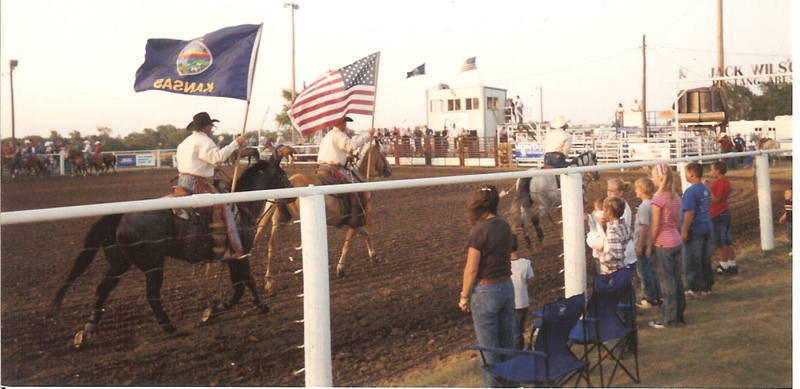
{"x":293,"y":6}
{"x":541,"y":106}
{"x":12,"y":64}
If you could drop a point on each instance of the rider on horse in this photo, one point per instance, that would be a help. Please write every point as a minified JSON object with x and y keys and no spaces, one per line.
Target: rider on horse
{"x":332,"y":158}
{"x":557,"y":144}
{"x":197,"y":157}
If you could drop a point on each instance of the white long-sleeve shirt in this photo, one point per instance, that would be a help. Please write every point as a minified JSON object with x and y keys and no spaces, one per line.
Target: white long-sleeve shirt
{"x":557,"y":141}
{"x":198,"y":154}
{"x":336,"y":145}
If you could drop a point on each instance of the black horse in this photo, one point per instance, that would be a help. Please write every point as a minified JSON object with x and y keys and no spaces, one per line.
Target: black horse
{"x":143,"y":239}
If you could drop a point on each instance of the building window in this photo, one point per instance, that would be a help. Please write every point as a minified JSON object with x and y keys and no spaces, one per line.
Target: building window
{"x":492,"y":103}
{"x":436,"y":105}
{"x":472,"y":103}
{"x":454,"y":105}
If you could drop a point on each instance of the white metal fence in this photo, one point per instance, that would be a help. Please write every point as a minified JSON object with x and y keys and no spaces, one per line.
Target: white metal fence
{"x":314,"y":237}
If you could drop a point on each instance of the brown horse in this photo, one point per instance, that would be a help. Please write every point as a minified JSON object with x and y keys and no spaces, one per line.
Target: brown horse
{"x":285,"y":152}
{"x":33,"y":165}
{"x":78,"y":162}
{"x":249,"y":152}
{"x":103,"y":162}
{"x":372,"y":163}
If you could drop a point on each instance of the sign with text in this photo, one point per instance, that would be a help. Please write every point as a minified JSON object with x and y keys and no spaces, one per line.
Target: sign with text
{"x":126,"y":160}
{"x":529,"y":150}
{"x":145,"y":160}
{"x":648,"y":151}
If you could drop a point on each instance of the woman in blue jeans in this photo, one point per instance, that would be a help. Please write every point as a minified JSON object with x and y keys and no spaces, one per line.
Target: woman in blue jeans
{"x":487,"y":290}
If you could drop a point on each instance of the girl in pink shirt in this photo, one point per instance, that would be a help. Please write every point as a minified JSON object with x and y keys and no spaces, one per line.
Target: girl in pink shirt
{"x":665,"y":246}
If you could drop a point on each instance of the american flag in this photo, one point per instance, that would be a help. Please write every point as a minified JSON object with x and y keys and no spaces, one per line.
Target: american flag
{"x":337,"y":93}
{"x":469,"y":64}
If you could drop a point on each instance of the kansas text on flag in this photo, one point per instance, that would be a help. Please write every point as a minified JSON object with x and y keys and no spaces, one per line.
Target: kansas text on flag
{"x":349,"y":90}
{"x":217,"y":64}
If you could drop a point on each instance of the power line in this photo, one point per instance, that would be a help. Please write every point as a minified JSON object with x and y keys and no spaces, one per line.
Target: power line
{"x":714,"y":51}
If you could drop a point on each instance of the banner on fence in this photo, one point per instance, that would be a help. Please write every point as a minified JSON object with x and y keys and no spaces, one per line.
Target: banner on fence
{"x":648,"y":151}
{"x":126,"y":160}
{"x":529,"y":150}
{"x":145,"y":160}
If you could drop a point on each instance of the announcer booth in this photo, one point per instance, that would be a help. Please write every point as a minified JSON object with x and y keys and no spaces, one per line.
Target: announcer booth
{"x":472,"y":111}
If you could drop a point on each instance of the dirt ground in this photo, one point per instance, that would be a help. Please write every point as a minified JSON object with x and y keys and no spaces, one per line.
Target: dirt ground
{"x":386,"y":319}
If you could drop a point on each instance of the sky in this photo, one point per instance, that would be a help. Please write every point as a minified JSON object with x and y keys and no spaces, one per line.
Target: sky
{"x":77,"y":58}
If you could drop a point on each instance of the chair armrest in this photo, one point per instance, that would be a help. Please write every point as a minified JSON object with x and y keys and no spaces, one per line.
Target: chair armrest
{"x":507,"y":351}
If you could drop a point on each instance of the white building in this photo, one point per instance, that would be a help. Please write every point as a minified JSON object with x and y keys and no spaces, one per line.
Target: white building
{"x":779,"y":129}
{"x":467,"y":111}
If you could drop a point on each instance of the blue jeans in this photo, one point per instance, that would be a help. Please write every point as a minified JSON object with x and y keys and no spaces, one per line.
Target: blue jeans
{"x":669,"y":275}
{"x":647,"y":273}
{"x":721,"y":229}
{"x":519,"y":327}
{"x":697,"y":263}
{"x":492,"y":307}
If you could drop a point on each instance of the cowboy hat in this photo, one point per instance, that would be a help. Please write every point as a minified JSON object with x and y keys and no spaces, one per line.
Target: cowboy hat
{"x":97,"y":142}
{"x":202,"y":119}
{"x":560,"y":122}
{"x":221,"y":137}
{"x":86,"y":142}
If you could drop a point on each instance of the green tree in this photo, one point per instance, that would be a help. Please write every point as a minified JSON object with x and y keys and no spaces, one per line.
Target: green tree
{"x":282,"y":118}
{"x":740,"y":101}
{"x":775,"y":100}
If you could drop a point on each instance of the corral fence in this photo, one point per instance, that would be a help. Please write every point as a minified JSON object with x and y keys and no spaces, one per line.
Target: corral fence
{"x":317,"y":331}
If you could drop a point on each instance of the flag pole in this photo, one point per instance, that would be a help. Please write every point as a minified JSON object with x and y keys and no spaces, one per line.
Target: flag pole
{"x":375,"y":100}
{"x":238,"y":151}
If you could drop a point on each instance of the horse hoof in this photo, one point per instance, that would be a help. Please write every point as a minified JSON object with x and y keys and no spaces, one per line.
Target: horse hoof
{"x":169,"y":328}
{"x":374,"y":259}
{"x":340,"y":272}
{"x":209,"y":314}
{"x":263,"y":309}
{"x":80,"y":337}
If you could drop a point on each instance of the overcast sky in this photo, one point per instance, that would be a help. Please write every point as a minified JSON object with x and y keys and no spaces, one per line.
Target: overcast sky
{"x":77,"y":59}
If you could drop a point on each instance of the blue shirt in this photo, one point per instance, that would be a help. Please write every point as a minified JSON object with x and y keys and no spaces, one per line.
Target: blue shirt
{"x":697,"y":198}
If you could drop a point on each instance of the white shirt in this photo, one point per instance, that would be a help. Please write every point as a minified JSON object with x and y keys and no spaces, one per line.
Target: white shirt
{"x":87,"y":149}
{"x":198,"y":154}
{"x":557,"y":140}
{"x":280,"y":140}
{"x":336,"y":145}
{"x":521,"y":272}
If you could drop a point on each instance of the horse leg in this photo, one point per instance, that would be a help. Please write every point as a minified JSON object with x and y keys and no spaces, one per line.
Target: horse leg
{"x":537,"y":217}
{"x":525,"y":214}
{"x":241,"y":278}
{"x":368,"y":240}
{"x":340,"y":272}
{"x":119,"y":266}
{"x":268,"y":286}
{"x":155,"y":278}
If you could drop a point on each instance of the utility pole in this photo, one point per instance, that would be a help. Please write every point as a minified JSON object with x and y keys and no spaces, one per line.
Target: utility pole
{"x":644,"y":88}
{"x":720,"y":56}
{"x":12,"y":64}
{"x":294,"y":91}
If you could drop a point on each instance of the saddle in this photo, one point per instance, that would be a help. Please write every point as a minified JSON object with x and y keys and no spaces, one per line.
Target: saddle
{"x":351,"y":203}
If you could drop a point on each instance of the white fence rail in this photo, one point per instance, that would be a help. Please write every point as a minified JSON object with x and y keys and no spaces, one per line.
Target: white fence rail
{"x":314,"y":231}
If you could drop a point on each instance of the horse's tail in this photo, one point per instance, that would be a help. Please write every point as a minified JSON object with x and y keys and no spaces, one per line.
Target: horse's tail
{"x":522,"y":198}
{"x":102,"y":234}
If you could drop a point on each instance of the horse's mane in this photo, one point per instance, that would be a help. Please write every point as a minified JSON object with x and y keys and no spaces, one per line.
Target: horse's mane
{"x":246,"y":180}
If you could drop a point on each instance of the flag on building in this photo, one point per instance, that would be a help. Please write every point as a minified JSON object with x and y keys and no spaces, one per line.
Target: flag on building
{"x":418,"y":71}
{"x":349,"y":90}
{"x":469,"y":64}
{"x":217,"y":64}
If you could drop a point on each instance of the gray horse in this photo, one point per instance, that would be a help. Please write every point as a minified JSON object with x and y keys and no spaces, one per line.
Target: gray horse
{"x":545,"y":192}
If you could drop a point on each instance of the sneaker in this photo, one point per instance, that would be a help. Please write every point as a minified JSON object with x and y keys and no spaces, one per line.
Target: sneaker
{"x":691,"y":295}
{"x":657,"y":325}
{"x":705,"y":294}
{"x":733,"y":271}
{"x":721,"y":270}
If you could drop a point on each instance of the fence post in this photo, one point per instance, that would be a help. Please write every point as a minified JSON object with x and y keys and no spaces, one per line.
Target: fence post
{"x":574,"y":234}
{"x":316,"y":289}
{"x":61,"y":162}
{"x":764,"y":201}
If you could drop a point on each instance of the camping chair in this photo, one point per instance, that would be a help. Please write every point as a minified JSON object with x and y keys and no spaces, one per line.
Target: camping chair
{"x":610,"y":324}
{"x":551,"y":363}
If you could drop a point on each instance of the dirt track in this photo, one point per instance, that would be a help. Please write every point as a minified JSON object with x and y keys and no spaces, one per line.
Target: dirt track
{"x":386,"y":320}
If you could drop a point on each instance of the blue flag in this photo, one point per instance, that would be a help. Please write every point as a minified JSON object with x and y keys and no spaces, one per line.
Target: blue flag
{"x":418,"y":71}
{"x":217,"y":64}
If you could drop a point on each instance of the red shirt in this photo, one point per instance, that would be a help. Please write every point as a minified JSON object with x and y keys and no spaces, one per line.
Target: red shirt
{"x":720,"y":190}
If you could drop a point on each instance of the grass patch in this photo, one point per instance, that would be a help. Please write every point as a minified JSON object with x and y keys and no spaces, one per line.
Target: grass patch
{"x":739,"y":337}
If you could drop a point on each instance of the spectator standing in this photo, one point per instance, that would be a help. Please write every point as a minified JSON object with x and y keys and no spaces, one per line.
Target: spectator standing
{"x":487,"y":290}
{"x":618,"y":234}
{"x":665,"y":247}
{"x":617,"y":188}
{"x":618,"y":116}
{"x":739,"y":145}
{"x":522,"y":278}
{"x":696,"y":234}
{"x":786,"y":218}
{"x":509,"y":110}
{"x":645,"y":265}
{"x":726,"y":146}
{"x":518,"y":110}
{"x":721,"y":236}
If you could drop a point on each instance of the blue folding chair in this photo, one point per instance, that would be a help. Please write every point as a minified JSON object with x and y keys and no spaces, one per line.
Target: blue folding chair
{"x":610,"y":324}
{"x":552,"y":362}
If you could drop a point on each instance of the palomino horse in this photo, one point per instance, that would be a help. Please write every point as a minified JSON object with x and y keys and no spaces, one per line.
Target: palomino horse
{"x":143,"y":239}
{"x":544,"y":191}
{"x":372,"y":163}
{"x":243,"y":152}
{"x":78,"y":162}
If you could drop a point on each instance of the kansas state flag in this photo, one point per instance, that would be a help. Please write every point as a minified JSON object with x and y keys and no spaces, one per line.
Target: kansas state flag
{"x":217,"y":64}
